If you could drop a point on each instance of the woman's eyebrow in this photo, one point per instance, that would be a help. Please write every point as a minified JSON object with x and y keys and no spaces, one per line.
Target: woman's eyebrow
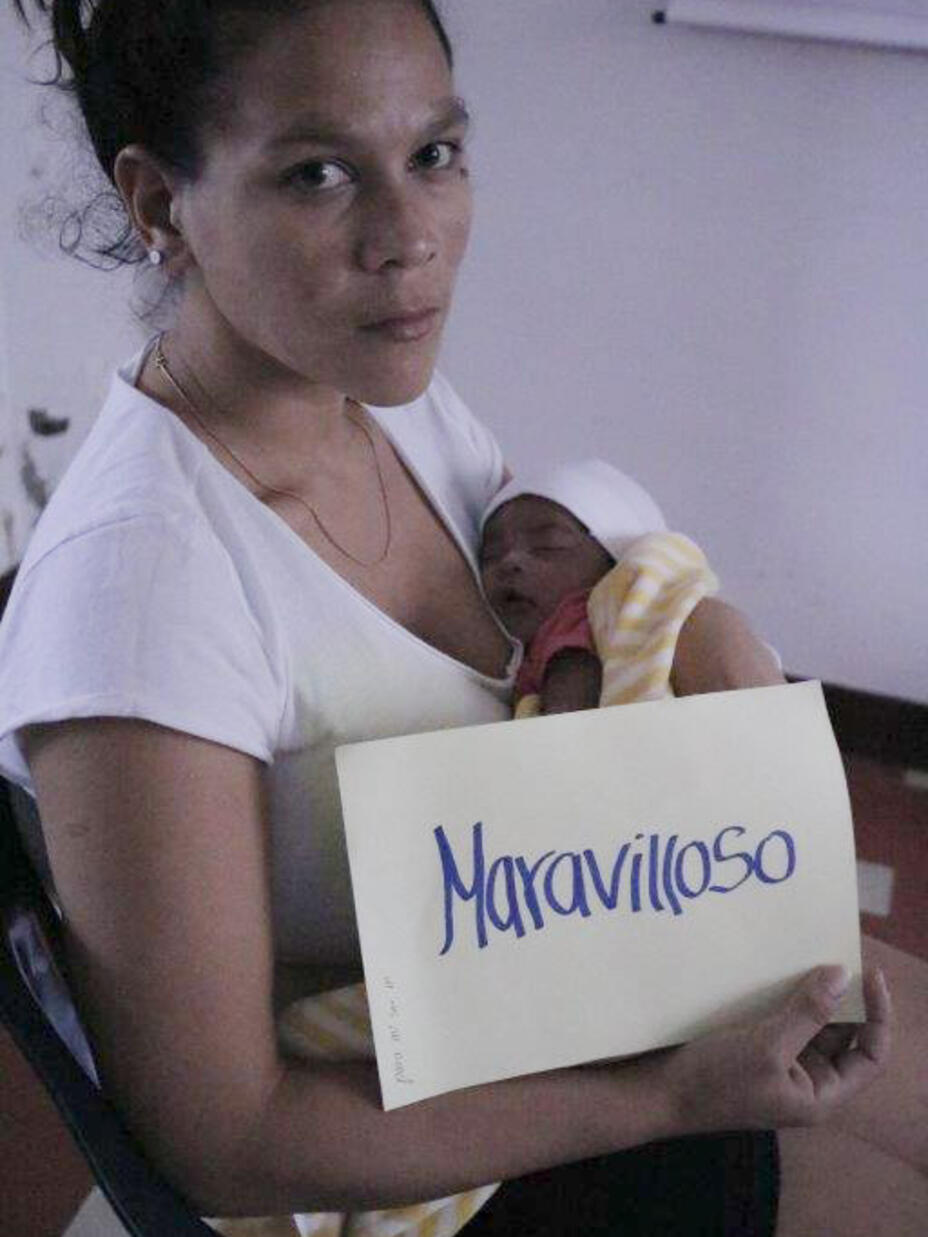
{"x":310,"y":128}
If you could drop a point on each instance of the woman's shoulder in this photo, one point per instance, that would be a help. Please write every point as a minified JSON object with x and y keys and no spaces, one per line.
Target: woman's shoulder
{"x":127,"y":602}
{"x":438,"y":412}
{"x":132,"y":466}
{"x":443,"y":441}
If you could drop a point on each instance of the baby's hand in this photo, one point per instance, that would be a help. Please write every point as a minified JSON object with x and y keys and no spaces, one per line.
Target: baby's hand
{"x":573,"y":681}
{"x":787,"y":1068}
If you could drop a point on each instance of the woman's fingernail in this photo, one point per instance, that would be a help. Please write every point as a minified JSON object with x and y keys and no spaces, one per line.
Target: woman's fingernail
{"x":839,"y":981}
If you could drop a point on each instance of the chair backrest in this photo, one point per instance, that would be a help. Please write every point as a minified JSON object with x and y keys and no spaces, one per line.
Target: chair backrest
{"x":36,"y":1010}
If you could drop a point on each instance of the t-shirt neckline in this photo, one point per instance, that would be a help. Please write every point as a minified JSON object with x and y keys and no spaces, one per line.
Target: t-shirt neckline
{"x":128,"y":374}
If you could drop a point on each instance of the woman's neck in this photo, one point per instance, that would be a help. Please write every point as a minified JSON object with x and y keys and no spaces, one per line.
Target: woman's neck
{"x":252,"y":403}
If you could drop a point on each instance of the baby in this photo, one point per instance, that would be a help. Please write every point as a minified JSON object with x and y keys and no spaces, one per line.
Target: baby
{"x":579,"y":567}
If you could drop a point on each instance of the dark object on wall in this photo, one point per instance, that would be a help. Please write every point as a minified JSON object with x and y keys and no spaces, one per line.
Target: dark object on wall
{"x":33,"y":482}
{"x":6,"y":587}
{"x":43,"y":425}
{"x":32,"y":966}
{"x":41,"y":422}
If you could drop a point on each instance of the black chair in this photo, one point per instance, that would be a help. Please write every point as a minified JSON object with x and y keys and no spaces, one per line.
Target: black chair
{"x":37,"y":1012}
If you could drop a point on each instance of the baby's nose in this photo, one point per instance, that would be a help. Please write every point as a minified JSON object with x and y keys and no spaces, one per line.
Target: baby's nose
{"x":510,"y":563}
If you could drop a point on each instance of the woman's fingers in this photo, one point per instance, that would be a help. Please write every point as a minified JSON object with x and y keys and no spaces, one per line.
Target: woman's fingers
{"x":860,"y":1064}
{"x":819,"y":1072}
{"x":836,"y":1038}
{"x":806,"y":1011}
{"x":791,"y":1067}
{"x":836,"y":1060}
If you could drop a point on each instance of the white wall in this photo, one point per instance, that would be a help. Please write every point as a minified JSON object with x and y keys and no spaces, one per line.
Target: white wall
{"x":701,"y":255}
{"x":62,"y":324}
{"x":15,"y":511}
{"x":705,"y":256}
{"x":9,"y":500}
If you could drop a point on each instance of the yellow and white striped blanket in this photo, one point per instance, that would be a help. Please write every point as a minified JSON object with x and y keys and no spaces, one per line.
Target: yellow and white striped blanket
{"x":636,"y":612}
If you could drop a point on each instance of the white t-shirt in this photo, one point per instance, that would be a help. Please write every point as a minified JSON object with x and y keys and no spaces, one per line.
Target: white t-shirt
{"x":155,"y":585}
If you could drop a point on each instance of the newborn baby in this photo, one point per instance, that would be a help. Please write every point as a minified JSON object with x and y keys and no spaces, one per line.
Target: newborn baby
{"x":579,"y":567}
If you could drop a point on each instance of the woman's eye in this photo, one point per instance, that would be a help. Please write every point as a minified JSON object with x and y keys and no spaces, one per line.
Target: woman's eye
{"x":439,"y":155}
{"x":318,"y":176}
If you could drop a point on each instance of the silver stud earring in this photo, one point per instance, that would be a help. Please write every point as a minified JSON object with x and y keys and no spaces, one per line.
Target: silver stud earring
{"x":155,"y":257}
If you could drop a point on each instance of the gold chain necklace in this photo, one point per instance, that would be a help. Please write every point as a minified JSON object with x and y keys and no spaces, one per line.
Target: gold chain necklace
{"x":162,"y":366}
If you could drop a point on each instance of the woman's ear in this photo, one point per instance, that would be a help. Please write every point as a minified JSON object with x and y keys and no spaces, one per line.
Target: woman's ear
{"x":149,"y":197}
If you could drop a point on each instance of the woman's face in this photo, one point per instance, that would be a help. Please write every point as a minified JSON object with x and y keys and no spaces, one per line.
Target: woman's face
{"x":335,"y":196}
{"x":534,"y":553}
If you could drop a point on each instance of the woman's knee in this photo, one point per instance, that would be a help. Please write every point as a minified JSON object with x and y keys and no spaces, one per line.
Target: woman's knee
{"x":836,"y":1185}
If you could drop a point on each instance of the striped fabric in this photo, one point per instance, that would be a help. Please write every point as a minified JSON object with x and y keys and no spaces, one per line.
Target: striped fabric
{"x":636,"y":612}
{"x":336,"y":1026}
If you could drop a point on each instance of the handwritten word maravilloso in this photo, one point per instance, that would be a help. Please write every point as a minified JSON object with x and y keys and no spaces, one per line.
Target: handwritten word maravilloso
{"x":656,"y":876}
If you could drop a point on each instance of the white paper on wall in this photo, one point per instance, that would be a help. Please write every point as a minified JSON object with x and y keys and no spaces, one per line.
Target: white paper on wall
{"x":887,"y":23}
{"x":541,"y":893}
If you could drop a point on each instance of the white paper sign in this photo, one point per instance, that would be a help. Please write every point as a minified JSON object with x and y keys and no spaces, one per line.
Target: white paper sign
{"x":541,"y":893}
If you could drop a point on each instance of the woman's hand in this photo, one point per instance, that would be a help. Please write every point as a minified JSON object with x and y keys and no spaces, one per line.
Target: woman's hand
{"x":787,"y":1068}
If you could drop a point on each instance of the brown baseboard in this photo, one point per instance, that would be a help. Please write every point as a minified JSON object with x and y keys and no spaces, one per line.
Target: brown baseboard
{"x":887,"y":728}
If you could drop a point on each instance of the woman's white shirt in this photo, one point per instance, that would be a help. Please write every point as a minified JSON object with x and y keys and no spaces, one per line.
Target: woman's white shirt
{"x":155,"y":585}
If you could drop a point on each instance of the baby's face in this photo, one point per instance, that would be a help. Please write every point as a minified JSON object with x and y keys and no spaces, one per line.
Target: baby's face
{"x":534,"y":553}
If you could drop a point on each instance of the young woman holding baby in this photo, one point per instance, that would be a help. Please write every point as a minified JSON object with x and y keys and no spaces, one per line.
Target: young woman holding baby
{"x":267,"y":547}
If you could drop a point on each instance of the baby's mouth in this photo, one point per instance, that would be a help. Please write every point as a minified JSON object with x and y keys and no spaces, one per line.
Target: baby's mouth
{"x":511,"y":602}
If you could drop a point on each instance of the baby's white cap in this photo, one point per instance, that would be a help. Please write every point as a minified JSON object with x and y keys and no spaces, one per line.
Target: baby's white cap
{"x":614,"y":508}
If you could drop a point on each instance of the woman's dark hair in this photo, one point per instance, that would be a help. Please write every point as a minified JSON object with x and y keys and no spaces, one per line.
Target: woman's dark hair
{"x":156,"y":73}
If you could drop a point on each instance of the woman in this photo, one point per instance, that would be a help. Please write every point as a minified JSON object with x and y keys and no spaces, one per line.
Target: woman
{"x":273,"y":568}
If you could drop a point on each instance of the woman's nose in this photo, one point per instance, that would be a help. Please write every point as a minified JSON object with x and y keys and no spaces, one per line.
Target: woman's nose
{"x":399,"y":229}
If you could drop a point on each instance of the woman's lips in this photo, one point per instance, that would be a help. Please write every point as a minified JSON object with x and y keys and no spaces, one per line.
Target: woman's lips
{"x":405,"y":330}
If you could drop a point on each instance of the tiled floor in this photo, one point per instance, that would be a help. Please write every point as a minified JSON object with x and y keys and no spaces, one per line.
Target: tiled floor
{"x":48,"y":1178}
{"x":891,"y":828}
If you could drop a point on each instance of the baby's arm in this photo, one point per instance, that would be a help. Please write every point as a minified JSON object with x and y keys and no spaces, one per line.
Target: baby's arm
{"x":573,"y":680}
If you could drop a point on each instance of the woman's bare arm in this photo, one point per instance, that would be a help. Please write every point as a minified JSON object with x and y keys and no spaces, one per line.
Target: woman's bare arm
{"x":718,"y":651}
{"x":158,"y":845}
